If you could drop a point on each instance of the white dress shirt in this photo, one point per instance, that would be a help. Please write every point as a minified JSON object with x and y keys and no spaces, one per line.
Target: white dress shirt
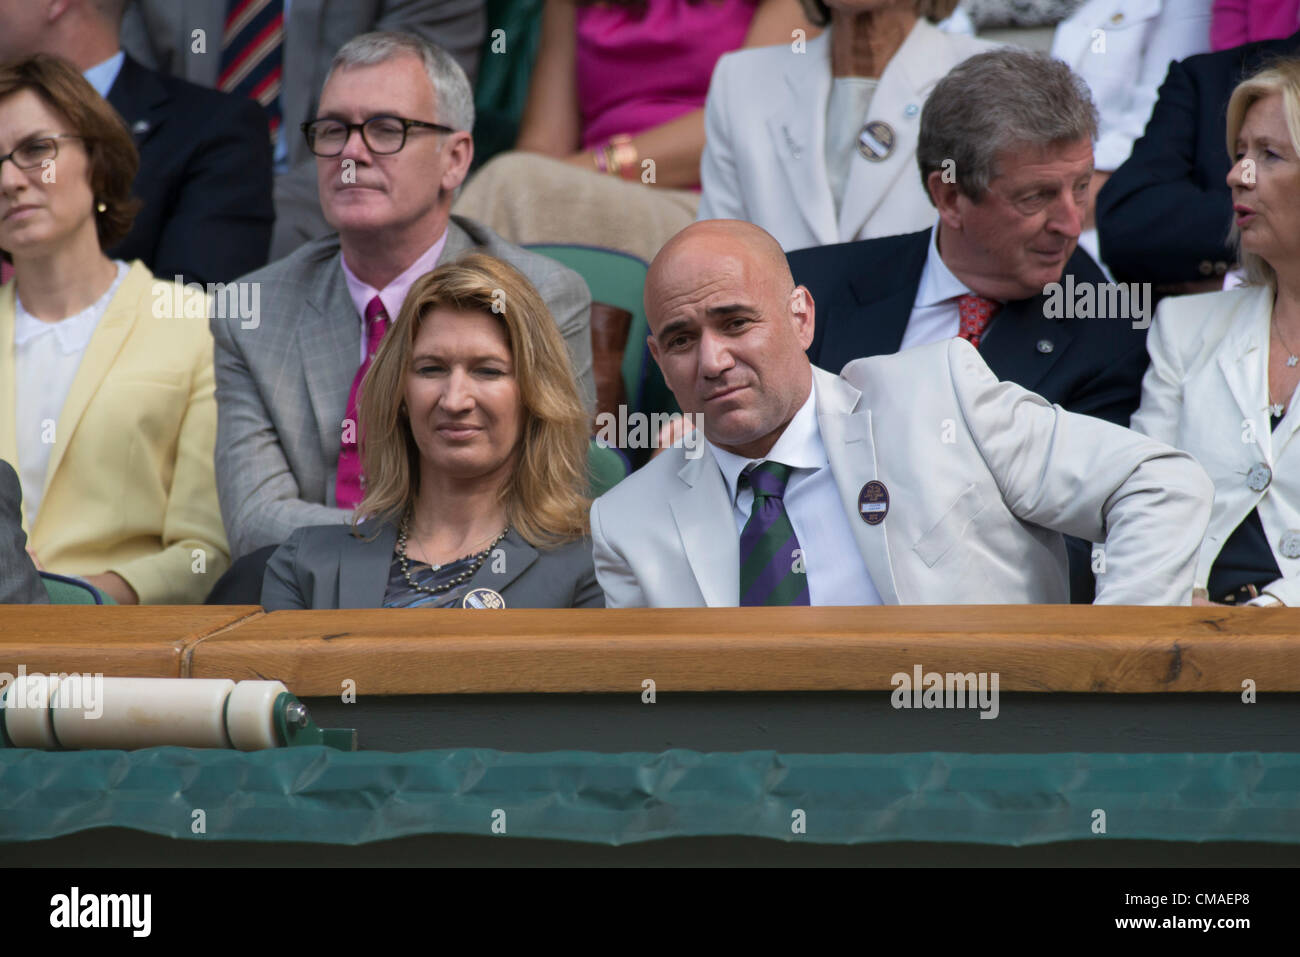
{"x":837,"y":575}
{"x":46,"y":358}
{"x":934,"y":312}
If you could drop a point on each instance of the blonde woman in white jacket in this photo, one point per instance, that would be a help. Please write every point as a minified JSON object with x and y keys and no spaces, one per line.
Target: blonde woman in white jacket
{"x":1225,"y":366}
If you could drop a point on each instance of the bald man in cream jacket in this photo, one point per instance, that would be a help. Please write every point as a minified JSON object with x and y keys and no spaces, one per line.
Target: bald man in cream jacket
{"x":913,"y":478}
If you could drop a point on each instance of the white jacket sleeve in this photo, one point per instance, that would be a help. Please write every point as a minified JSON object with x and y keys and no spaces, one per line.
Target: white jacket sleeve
{"x":1086,"y":477}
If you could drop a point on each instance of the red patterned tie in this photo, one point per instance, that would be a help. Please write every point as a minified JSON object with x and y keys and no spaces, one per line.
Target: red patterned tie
{"x":347,"y":489}
{"x":975,"y":314}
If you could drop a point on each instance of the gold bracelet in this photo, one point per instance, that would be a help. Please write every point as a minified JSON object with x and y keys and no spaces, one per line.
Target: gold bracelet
{"x":623,"y":157}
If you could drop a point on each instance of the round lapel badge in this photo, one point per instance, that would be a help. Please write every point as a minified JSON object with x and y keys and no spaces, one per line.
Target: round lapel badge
{"x":873,"y":503}
{"x":483,"y":598}
{"x":876,"y":141}
{"x":1290,"y":544}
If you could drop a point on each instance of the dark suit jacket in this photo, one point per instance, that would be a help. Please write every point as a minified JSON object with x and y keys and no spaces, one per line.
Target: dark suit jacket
{"x":20,"y":583}
{"x":326,"y":566}
{"x":863,"y":293}
{"x":1164,"y":215}
{"x":204,"y":179}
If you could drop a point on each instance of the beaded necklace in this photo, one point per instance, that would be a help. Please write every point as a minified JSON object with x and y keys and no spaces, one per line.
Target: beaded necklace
{"x":463,"y":577}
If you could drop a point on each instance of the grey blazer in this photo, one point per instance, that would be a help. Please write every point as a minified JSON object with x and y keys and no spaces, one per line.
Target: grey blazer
{"x":283,"y":382}
{"x":328,"y":567}
{"x":20,"y":583}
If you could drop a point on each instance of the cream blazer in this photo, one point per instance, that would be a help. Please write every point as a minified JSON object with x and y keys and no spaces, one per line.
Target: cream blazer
{"x":1206,"y":392}
{"x":130,"y":485}
{"x":982,"y":480}
{"x":765,"y":150}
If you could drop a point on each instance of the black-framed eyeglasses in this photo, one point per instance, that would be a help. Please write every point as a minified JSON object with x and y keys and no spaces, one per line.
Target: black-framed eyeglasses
{"x":381,"y":134}
{"x":35,"y":152}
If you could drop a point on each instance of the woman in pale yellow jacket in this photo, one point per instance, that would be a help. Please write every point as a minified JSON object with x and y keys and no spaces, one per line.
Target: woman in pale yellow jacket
{"x":107,"y":409}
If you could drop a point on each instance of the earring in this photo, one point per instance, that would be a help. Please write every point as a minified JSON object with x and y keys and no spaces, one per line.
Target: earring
{"x":101,"y":206}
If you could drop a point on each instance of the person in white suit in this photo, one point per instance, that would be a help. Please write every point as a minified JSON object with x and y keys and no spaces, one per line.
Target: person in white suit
{"x":1123,"y":48}
{"x":913,"y":478}
{"x":1225,"y":366}
{"x":817,"y":144}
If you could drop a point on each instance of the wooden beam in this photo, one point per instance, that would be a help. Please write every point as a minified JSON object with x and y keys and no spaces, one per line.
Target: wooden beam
{"x":119,"y":640}
{"x":1047,"y":648}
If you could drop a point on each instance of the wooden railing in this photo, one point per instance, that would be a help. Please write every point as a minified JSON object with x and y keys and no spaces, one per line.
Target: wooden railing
{"x":391,"y":652}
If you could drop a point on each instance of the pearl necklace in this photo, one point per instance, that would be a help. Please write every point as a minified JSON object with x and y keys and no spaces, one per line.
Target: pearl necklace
{"x":463,"y":577}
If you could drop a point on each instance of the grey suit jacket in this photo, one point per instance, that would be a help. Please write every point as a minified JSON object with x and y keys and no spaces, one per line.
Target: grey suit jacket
{"x":20,"y":583}
{"x":982,"y":479}
{"x":328,"y":567}
{"x":283,"y":383}
{"x":160,"y":34}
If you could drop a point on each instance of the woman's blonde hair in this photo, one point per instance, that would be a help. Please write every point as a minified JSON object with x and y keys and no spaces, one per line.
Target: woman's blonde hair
{"x":544,"y":496}
{"x":1280,"y":77}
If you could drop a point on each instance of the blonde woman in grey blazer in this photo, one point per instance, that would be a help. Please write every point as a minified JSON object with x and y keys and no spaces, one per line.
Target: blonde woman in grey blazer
{"x":473,"y":451}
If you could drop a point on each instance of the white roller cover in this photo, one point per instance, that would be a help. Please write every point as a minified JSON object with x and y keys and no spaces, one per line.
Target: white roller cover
{"x":250,"y":714}
{"x":146,"y":713}
{"x":27,"y":711}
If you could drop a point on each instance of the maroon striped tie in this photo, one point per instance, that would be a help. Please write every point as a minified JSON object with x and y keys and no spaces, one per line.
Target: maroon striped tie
{"x":251,"y":54}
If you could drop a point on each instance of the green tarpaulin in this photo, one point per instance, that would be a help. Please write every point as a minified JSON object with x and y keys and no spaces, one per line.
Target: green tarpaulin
{"x":320,"y":795}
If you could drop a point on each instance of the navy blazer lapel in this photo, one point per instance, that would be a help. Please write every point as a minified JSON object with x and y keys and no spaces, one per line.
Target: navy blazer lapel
{"x":140,"y":99}
{"x":364,"y":566}
{"x":1022,"y":345}
{"x":885,"y":292}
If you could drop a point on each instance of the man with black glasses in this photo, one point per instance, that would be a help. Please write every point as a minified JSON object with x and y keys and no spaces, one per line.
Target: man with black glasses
{"x":392,"y":141}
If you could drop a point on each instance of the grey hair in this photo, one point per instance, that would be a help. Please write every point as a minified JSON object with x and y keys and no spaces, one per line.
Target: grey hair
{"x":451,"y":87}
{"x":995,"y":101}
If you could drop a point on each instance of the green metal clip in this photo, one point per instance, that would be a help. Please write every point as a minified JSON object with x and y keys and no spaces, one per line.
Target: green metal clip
{"x":296,"y":727}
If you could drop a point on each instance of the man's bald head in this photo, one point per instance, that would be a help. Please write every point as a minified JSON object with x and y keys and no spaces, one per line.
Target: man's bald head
{"x":717,"y":238}
{"x":729,"y":329}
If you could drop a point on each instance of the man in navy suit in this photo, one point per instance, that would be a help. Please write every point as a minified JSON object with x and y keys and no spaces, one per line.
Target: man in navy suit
{"x":205,"y":156}
{"x":1163,"y":217}
{"x":1005,"y":151}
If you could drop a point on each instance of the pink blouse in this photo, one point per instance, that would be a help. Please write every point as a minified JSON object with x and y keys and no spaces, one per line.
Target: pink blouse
{"x":1244,"y":21}
{"x":636,"y":72}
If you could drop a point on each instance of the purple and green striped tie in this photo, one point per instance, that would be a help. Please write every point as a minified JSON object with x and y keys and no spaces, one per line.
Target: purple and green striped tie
{"x":771,"y":573}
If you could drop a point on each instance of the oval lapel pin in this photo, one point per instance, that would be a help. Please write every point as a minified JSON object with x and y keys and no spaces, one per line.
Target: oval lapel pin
{"x":873,"y":502}
{"x":876,"y":141}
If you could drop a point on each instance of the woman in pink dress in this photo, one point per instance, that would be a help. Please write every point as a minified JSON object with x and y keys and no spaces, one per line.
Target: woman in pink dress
{"x":609,"y":148}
